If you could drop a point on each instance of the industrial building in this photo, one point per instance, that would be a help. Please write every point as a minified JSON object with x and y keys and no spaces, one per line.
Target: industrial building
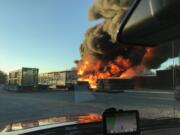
{"x":164,"y":80}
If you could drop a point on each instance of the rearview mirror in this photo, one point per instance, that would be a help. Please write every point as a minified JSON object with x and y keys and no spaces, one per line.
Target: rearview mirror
{"x":150,"y":22}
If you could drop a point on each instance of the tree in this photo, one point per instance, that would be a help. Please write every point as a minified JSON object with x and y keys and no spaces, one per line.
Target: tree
{"x":3,"y":77}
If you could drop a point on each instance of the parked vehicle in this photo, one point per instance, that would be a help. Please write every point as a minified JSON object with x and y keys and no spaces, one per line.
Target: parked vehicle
{"x":59,"y":80}
{"x":23,"y":79}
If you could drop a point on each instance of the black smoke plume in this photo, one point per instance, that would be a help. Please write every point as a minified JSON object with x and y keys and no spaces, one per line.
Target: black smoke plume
{"x":100,"y":42}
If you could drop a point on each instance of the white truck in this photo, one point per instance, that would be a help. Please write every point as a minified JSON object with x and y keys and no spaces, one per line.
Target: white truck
{"x":23,"y":79}
{"x":59,"y":80}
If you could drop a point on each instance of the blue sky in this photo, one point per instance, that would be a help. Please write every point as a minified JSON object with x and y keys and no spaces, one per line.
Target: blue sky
{"x":42,"y":33}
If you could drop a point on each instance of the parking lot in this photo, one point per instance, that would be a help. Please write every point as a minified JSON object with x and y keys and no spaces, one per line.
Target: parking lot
{"x":17,"y":106}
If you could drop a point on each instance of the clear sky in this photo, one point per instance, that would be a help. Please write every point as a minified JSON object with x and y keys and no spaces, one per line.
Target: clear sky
{"x":42,"y":33}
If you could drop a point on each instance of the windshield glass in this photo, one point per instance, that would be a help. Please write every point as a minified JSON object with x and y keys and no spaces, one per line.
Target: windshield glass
{"x":56,"y":62}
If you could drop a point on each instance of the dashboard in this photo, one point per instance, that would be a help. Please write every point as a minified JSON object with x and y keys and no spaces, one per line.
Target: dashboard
{"x":155,"y":127}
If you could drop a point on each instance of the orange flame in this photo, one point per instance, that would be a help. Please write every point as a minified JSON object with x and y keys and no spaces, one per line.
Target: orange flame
{"x":91,"y":69}
{"x":134,"y":71}
{"x":92,"y":72}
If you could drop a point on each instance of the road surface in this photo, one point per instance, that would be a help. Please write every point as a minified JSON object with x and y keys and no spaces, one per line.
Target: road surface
{"x":24,"y":106}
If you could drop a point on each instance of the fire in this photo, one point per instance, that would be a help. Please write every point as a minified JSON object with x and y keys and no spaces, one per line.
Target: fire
{"x":103,"y":56}
{"x":91,"y":69}
{"x":83,"y":69}
{"x":134,"y":71}
{"x":100,"y":70}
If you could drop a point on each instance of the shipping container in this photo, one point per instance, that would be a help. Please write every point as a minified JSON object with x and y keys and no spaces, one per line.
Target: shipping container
{"x":23,"y":79}
{"x":164,"y":80}
{"x":114,"y":84}
{"x":62,"y":79}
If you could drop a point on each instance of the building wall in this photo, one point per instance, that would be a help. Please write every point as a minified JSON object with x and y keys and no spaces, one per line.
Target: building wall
{"x":164,"y":80}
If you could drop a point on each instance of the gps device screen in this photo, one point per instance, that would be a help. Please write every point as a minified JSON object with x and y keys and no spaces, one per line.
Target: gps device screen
{"x":125,"y":122}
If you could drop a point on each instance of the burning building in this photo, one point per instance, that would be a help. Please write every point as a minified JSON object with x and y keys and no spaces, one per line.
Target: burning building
{"x":103,"y":57}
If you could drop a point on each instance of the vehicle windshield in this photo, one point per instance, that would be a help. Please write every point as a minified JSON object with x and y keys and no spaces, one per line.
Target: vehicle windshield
{"x":62,"y":58}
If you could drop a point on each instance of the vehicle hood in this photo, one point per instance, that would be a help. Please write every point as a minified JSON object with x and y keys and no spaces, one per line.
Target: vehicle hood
{"x":45,"y":123}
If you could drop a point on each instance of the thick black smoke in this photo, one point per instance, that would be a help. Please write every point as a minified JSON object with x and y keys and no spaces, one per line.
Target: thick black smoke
{"x":101,"y":44}
{"x":98,"y":43}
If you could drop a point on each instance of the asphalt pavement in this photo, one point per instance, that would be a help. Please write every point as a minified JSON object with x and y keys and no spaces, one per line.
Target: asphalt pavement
{"x":15,"y":106}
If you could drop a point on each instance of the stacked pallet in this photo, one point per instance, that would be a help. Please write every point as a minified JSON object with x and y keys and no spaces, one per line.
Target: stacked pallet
{"x":115,"y":84}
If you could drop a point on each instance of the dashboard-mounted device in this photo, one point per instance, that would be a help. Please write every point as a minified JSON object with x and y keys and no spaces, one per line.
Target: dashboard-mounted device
{"x":121,"y":122}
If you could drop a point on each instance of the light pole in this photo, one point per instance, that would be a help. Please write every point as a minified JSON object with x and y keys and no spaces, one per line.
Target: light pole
{"x":173,"y":76}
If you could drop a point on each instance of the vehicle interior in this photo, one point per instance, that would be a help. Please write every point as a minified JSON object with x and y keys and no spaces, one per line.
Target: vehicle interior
{"x":126,"y":80}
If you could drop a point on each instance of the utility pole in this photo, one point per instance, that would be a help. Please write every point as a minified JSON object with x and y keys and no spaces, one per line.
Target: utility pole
{"x":179,"y":57}
{"x":173,"y":76}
